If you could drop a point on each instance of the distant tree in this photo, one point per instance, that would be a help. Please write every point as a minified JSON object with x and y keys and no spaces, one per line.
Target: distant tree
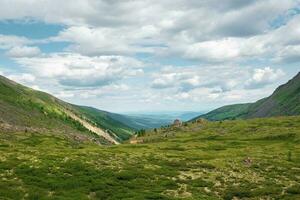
{"x":141,"y":132}
{"x":155,"y":130}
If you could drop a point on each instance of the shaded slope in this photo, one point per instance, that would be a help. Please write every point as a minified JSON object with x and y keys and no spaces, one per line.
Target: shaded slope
{"x":285,"y":101}
{"x":227,"y":112}
{"x":107,"y":121}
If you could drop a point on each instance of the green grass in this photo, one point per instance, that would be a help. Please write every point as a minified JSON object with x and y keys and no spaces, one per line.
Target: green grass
{"x":197,"y":161}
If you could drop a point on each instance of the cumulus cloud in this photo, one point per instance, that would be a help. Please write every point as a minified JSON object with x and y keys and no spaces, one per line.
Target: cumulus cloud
{"x":257,"y":15}
{"x":10,"y":41}
{"x":103,"y":40}
{"x":36,"y":87}
{"x":82,"y":71}
{"x":262,"y":77}
{"x":108,"y":41}
{"x":64,"y":94}
{"x":219,"y":78}
{"x":189,"y":29}
{"x":108,"y":90}
{"x":130,"y":26}
{"x":288,"y":54}
{"x":23,"y":78}
{"x":23,"y":51}
{"x":213,"y":50}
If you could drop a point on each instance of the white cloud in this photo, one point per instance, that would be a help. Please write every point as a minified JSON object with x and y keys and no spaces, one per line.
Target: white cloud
{"x":213,"y":50}
{"x":222,"y":78}
{"x":126,"y":26}
{"x":64,"y":94}
{"x":82,"y":71}
{"x":262,"y":77}
{"x":23,"y":51}
{"x":288,"y":54}
{"x":203,"y":30}
{"x":36,"y":87}
{"x":218,"y":84}
{"x":9,"y":41}
{"x":106,"y":37}
{"x":250,"y":20}
{"x":23,"y":78}
{"x":106,"y":40}
{"x":108,"y":90}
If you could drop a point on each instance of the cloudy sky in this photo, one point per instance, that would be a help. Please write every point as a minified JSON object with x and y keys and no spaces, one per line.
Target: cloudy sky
{"x":151,"y":55}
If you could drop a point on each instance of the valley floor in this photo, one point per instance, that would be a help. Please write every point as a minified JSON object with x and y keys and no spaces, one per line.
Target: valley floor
{"x":253,"y":159}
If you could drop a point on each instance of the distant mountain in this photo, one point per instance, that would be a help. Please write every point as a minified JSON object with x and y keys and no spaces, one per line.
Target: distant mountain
{"x":155,"y":119}
{"x":285,"y":101}
{"x":22,"y":108}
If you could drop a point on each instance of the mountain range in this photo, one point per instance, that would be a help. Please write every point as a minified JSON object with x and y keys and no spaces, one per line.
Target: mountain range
{"x":23,"y":109}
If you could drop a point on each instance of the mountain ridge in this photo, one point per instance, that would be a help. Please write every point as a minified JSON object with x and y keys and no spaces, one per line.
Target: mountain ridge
{"x":284,"y":101}
{"x":21,"y":106}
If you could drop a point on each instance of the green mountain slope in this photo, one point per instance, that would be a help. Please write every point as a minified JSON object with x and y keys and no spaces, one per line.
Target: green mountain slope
{"x":285,"y":101}
{"x":23,"y":108}
{"x":109,"y":121}
{"x":143,"y":121}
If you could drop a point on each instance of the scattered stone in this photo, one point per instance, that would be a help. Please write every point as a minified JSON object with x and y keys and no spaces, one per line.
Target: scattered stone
{"x":248,"y":161}
{"x":177,"y":123}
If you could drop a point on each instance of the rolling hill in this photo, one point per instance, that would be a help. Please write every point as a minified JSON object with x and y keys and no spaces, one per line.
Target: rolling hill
{"x":285,"y":101}
{"x":22,"y":108}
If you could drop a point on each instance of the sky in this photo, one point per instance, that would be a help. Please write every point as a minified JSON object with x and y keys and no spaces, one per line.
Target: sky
{"x":151,"y":55}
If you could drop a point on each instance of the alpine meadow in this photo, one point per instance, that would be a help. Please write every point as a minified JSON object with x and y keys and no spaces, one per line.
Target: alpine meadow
{"x":148,"y":99}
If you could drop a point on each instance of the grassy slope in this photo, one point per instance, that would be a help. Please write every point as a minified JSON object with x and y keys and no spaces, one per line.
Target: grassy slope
{"x":227,"y":112}
{"x":107,"y":121}
{"x":22,"y":106}
{"x":285,"y":101}
{"x":197,"y":161}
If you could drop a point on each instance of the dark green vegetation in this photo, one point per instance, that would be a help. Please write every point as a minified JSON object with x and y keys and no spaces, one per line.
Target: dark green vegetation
{"x":23,"y":108}
{"x":250,"y":159}
{"x":285,"y":101}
